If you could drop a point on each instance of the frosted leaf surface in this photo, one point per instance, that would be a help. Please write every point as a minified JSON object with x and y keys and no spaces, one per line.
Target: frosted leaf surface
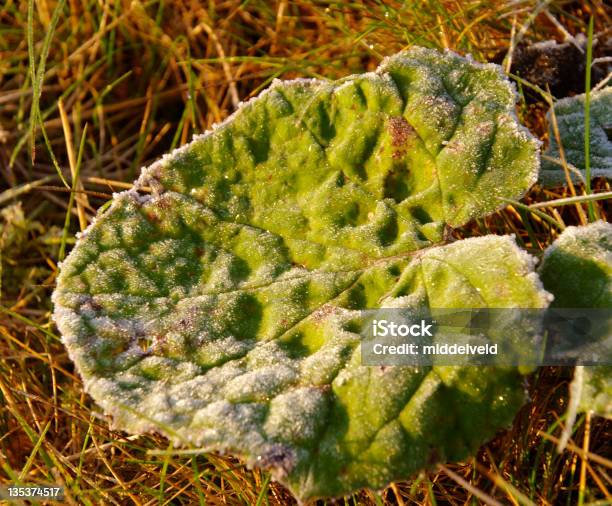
{"x":577,"y":269}
{"x":220,"y":310}
{"x":570,"y":122}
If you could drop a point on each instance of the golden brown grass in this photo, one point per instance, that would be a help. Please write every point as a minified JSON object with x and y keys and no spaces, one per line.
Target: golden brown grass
{"x":126,"y":81}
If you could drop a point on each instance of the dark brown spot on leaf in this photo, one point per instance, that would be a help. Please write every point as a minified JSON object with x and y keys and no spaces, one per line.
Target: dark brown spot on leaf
{"x":279,"y":458}
{"x":400,"y":130}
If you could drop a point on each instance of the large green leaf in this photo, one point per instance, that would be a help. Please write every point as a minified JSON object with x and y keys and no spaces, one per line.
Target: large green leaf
{"x":220,"y":309}
{"x":577,"y":269}
{"x":569,"y":113}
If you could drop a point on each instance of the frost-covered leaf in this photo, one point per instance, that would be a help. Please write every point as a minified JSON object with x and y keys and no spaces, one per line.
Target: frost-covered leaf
{"x":272,"y":372}
{"x":221,"y":308}
{"x":577,"y":267}
{"x":570,"y":122}
{"x":577,"y":270}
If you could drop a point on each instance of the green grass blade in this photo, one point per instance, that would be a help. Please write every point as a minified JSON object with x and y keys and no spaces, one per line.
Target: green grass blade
{"x":263,"y":492}
{"x":162,"y":477}
{"x":27,"y":428}
{"x":196,"y":481}
{"x":62,"y":251}
{"x":30,"y":322}
{"x":30,"y":461}
{"x":587,"y":119}
{"x":40,"y":73}
{"x":32,"y":65}
{"x":50,"y":150}
{"x":37,"y":75}
{"x":544,"y":216}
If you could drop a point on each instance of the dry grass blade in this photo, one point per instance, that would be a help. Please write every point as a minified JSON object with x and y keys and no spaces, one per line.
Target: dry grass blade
{"x":73,"y":193}
{"x":514,"y":495}
{"x":485,"y":498}
{"x":585,"y":457}
{"x":572,"y":200}
{"x":568,"y":177}
{"x":581,"y":452}
{"x":12,"y":193}
{"x":81,"y":200}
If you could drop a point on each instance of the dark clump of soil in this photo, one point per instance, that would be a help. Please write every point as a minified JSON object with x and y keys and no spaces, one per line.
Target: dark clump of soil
{"x":560,"y":66}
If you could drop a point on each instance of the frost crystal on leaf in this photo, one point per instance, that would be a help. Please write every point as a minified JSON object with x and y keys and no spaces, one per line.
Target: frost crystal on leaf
{"x":220,"y":310}
{"x":577,"y":269}
{"x":569,"y":113}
